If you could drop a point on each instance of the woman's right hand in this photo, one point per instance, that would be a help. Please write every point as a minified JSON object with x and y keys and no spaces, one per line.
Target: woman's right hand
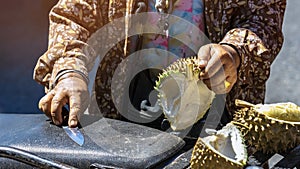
{"x":220,"y":67}
{"x":71,"y":89}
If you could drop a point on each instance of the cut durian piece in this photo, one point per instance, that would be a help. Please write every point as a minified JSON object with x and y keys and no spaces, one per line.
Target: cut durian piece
{"x":225,"y":149}
{"x":184,"y":98}
{"x":269,"y":128}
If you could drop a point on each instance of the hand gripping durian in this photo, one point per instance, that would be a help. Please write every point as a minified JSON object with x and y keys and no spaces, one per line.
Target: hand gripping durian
{"x":183,"y":97}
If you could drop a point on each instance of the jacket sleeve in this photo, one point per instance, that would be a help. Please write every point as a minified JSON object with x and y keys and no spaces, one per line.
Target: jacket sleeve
{"x":71,"y":24}
{"x":257,"y":36}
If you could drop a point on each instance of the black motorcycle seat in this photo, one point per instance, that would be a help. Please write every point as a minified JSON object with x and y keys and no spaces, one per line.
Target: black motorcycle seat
{"x":108,"y":142}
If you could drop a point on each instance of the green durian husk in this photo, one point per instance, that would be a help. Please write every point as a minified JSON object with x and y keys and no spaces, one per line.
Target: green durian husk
{"x":207,"y":154}
{"x":270,"y":128}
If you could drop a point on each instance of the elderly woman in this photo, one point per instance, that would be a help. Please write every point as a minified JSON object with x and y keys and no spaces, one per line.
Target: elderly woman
{"x":245,"y":36}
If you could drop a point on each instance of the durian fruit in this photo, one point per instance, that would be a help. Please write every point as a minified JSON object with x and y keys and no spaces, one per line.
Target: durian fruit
{"x":269,"y":128}
{"x":184,"y":98}
{"x":224,"y":149}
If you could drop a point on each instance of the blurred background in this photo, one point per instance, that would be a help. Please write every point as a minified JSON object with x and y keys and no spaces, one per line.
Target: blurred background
{"x":23,"y":38}
{"x":23,"y":33}
{"x":285,"y":71}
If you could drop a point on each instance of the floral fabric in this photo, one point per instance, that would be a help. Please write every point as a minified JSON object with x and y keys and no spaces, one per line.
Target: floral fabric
{"x":189,"y":10}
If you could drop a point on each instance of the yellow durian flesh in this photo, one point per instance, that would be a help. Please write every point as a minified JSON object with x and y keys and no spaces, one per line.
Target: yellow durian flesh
{"x":270,"y":128}
{"x":286,"y":111}
{"x":282,"y":111}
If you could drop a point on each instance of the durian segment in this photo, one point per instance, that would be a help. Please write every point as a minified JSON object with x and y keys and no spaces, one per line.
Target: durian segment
{"x":269,"y":128}
{"x":225,"y":149}
{"x":282,"y":111}
{"x":183,"y":97}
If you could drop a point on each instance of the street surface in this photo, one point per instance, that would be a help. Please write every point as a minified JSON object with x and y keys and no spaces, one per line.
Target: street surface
{"x":283,"y":84}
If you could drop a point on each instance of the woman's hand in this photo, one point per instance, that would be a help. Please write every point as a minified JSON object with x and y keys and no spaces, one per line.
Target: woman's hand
{"x":219,"y":64}
{"x":71,"y":89}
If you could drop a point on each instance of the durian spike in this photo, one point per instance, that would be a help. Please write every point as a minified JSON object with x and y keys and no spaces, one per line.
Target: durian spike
{"x":242,"y":103}
{"x":189,"y":71}
{"x":238,"y":124}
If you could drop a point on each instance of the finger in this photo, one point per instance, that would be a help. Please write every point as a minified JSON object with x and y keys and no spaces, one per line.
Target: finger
{"x":58,"y":101}
{"x":231,"y":80}
{"x":217,"y":79}
{"x":204,"y":55}
{"x":231,"y":76}
{"x":45,"y":103}
{"x":220,"y":88}
{"x":225,"y":86}
{"x":213,"y":54}
{"x":75,"y":109}
{"x":214,"y":65}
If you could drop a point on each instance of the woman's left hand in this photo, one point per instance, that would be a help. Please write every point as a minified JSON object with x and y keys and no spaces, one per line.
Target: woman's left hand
{"x":219,"y":64}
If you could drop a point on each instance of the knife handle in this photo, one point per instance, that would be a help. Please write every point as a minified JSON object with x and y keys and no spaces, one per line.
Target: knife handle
{"x":65,"y":115}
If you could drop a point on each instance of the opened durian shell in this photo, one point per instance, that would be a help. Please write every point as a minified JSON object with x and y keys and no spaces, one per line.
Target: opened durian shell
{"x":269,"y":128}
{"x":223,"y":150}
{"x":184,"y":98}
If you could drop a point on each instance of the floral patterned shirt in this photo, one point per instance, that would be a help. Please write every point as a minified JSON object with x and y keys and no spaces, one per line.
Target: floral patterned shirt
{"x":253,"y":27}
{"x":189,"y":10}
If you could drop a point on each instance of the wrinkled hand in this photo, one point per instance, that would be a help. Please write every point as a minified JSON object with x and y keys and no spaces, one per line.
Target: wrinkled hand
{"x":71,"y":89}
{"x":219,"y":64}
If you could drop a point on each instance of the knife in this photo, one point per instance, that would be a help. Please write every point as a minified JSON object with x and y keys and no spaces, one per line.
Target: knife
{"x":74,"y":133}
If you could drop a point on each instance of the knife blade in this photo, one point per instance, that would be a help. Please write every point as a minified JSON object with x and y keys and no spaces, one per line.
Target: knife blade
{"x":73,"y":133}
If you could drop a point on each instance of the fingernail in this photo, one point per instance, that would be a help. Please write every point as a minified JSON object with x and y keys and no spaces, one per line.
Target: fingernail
{"x":55,"y":122}
{"x":202,"y":62}
{"x":73,"y":123}
{"x":201,"y":74}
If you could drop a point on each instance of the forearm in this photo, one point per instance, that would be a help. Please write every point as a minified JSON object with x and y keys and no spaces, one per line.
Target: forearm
{"x":258,"y":39}
{"x":71,"y":24}
{"x":254,"y":30}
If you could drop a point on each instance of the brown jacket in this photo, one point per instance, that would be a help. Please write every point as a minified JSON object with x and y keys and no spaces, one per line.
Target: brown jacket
{"x":253,"y":27}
